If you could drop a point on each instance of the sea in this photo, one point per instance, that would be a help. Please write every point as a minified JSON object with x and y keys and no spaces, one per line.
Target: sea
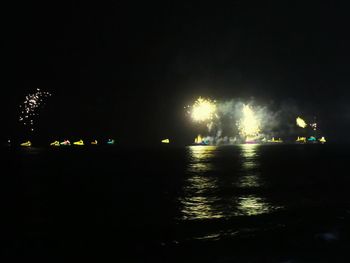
{"x":238,"y":203}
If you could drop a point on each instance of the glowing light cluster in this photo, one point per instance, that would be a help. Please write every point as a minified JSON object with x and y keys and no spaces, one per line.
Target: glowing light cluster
{"x":26,"y":144}
{"x":300,"y":122}
{"x":30,"y":106}
{"x":198,"y":139}
{"x":314,"y":126}
{"x":249,"y":125}
{"x":203,"y":110}
{"x":166,"y":141}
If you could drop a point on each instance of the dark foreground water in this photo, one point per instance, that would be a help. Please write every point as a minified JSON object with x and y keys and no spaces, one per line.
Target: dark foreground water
{"x":249,"y":203}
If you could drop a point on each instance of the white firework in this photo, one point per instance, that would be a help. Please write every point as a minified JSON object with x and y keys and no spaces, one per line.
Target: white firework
{"x":29,"y":108}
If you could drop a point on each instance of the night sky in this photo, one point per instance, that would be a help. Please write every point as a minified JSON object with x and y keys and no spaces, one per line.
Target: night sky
{"x":127,"y":69}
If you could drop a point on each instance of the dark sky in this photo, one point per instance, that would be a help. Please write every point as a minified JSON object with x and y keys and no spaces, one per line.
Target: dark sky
{"x":125,"y":69}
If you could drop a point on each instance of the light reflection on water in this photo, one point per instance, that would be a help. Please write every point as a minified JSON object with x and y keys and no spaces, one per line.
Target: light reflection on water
{"x":205,"y":196}
{"x":252,"y":205}
{"x":250,"y":177}
{"x":198,"y":201}
{"x":201,"y":158}
{"x":250,"y":173}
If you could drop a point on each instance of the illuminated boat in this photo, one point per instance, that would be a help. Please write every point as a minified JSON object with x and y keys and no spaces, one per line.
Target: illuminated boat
{"x":301,"y":140}
{"x":80,"y":142}
{"x":94,"y":142}
{"x":166,"y":141}
{"x":200,"y":141}
{"x":55,"y":143}
{"x":110,"y":141}
{"x":273,"y":140}
{"x":26,"y":144}
{"x":65,"y":143}
{"x":322,"y":140}
{"x":312,"y":139}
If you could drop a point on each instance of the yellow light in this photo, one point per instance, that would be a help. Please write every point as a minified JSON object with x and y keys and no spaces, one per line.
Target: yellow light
{"x":166,"y":141}
{"x":26,"y":144}
{"x":275,"y":140}
{"x":80,"y":142}
{"x":322,"y":140}
{"x":301,"y":139}
{"x":55,"y":143}
{"x":203,"y":110}
{"x":300,"y":122}
{"x":249,"y":125}
{"x":198,"y":139}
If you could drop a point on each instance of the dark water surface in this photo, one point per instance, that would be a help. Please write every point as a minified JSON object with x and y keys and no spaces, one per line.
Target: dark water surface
{"x":244,"y":203}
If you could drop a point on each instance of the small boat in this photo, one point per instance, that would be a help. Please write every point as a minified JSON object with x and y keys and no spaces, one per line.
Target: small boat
{"x":273,"y":140}
{"x":200,"y":141}
{"x":80,"y":142}
{"x":55,"y":143}
{"x":65,"y":143}
{"x":166,"y":141}
{"x":110,"y":141}
{"x":322,"y":140}
{"x":301,"y":140}
{"x":312,"y":139}
{"x":26,"y":144}
{"x":94,"y":142}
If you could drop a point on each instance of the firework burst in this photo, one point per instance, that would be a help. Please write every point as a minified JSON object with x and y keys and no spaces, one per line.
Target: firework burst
{"x":203,"y":110}
{"x":30,"y":107}
{"x":249,"y":125}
